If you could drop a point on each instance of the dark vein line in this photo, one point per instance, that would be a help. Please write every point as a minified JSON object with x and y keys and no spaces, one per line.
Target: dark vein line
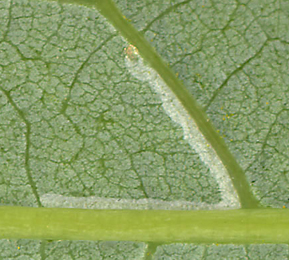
{"x":81,"y":67}
{"x":27,"y":147}
{"x":161,"y":15}
{"x":234,"y":72}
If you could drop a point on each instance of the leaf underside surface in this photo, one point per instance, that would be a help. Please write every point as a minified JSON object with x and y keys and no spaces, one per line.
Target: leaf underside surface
{"x":178,"y":105}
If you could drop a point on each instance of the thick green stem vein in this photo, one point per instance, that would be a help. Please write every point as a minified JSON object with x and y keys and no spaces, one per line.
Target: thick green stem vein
{"x":231,"y":226}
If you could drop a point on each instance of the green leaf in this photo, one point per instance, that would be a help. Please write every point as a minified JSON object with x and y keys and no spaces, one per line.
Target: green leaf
{"x":88,"y":121}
